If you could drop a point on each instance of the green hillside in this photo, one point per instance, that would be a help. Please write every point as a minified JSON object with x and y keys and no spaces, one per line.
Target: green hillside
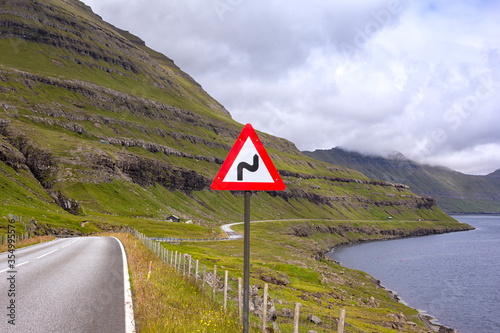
{"x":455,"y":192}
{"x":95,"y":126}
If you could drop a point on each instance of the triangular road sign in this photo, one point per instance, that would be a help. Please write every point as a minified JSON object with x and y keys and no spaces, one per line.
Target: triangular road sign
{"x":248,"y":167}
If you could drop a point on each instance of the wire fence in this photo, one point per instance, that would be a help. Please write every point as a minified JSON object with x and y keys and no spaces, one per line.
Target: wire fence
{"x":190,"y":240}
{"x":4,"y":239}
{"x":267,"y":314}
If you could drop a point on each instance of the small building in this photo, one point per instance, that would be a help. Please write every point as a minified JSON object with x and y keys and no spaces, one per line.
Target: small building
{"x":173,"y":218}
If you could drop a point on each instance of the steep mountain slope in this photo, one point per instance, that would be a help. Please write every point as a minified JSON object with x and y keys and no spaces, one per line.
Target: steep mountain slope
{"x":455,"y":192}
{"x":94,"y":122}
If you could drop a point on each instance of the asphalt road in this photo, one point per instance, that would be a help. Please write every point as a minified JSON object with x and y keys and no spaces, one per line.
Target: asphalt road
{"x":66,"y":285}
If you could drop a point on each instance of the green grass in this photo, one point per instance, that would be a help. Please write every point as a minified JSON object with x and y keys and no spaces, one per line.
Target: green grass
{"x":166,"y":302}
{"x":327,"y":286}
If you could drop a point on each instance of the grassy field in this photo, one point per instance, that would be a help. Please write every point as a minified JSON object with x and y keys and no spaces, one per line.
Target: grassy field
{"x":320,"y":284}
{"x":290,"y":251}
{"x":166,"y":302}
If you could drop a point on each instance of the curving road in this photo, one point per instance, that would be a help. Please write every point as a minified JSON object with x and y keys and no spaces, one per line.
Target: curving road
{"x":67,"y":285}
{"x":231,"y":234}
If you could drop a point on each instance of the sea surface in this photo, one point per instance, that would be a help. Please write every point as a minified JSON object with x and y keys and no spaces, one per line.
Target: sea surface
{"x":455,"y":277}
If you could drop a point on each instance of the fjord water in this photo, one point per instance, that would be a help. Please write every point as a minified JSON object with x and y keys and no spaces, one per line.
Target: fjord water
{"x":453,"y":277}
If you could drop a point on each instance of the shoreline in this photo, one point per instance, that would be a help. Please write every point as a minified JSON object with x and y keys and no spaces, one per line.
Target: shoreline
{"x":428,"y":320}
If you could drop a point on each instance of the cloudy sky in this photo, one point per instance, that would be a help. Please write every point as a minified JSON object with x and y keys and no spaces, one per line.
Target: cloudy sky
{"x":420,"y":77}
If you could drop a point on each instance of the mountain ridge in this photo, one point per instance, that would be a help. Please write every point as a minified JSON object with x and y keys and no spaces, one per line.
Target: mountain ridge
{"x":455,"y":192}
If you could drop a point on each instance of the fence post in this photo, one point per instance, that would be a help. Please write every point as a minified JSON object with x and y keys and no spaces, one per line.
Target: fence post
{"x":296,"y":314}
{"x":190,"y":263}
{"x":225,"y":290}
{"x":179,"y":261}
{"x":264,"y":309}
{"x":341,"y":321}
{"x":214,"y":282}
{"x":172,"y":258}
{"x":240,"y":301}
{"x":196,"y":271}
{"x":203,"y":278}
{"x":175,"y":262}
{"x":184,"y":264}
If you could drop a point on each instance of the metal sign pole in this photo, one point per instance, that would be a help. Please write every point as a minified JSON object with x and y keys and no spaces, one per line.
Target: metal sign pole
{"x":231,"y":177}
{"x":246,"y":264}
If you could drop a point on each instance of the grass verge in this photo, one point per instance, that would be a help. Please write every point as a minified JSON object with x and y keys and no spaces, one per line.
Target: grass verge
{"x":167,"y":302}
{"x":27,"y":242}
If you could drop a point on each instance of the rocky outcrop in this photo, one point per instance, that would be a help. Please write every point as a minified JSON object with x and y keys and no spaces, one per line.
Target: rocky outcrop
{"x":278,"y":279}
{"x":69,"y":205}
{"x":306,"y":230}
{"x":405,"y":201}
{"x":147,"y":172}
{"x":368,"y":233}
{"x":39,"y":161}
{"x":256,"y":305}
{"x":155,"y":148}
{"x":11,"y":156}
{"x":343,"y":180}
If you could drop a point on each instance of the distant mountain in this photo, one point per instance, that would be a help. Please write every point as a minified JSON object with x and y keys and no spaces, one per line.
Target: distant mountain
{"x":455,"y":192}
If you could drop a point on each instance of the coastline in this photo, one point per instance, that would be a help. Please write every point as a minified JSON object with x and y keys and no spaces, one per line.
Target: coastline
{"x":348,"y":233}
{"x":429,"y":321}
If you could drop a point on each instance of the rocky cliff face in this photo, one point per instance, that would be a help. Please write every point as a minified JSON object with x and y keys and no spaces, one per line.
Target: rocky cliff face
{"x":104,"y":124}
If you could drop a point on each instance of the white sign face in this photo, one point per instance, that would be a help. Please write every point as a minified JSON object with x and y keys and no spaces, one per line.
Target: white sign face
{"x":248,"y":167}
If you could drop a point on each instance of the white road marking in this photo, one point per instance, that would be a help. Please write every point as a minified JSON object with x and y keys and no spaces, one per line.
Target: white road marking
{"x":10,"y":269}
{"x":62,"y":247}
{"x":46,"y":254}
{"x":129,"y":307}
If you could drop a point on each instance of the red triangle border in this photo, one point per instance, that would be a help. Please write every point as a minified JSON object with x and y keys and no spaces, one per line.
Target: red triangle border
{"x":219,"y":185}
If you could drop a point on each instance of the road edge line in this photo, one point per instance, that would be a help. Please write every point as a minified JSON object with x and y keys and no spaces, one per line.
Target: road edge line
{"x":129,"y":306}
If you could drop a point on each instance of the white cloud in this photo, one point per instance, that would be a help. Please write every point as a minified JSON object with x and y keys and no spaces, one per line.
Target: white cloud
{"x":421,"y":77}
